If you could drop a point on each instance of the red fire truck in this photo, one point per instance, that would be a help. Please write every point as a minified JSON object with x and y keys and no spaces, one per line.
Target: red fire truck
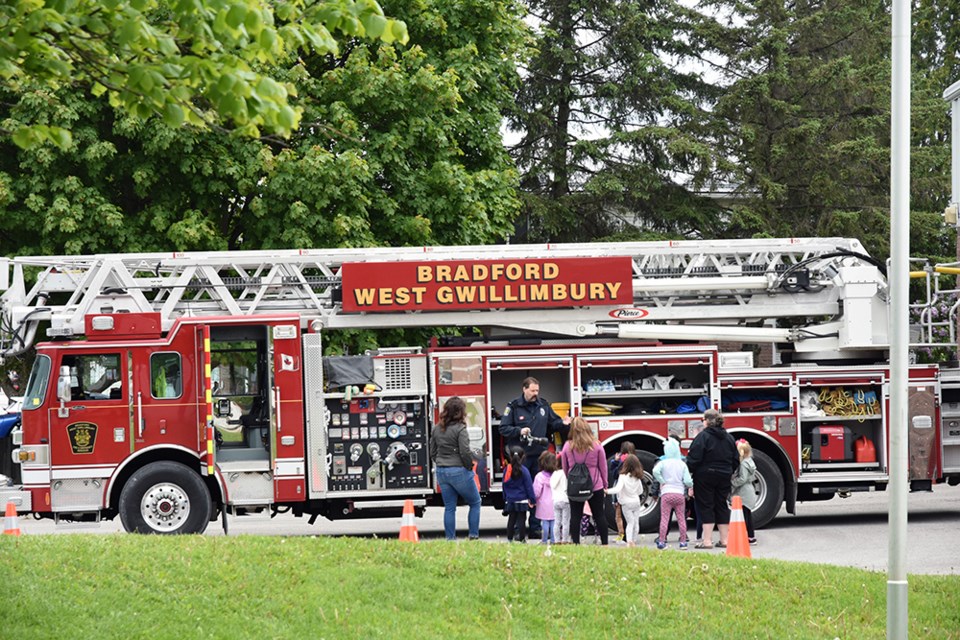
{"x":178,"y":387}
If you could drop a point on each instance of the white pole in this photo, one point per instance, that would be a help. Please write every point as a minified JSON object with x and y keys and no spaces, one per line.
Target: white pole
{"x":899,"y":329}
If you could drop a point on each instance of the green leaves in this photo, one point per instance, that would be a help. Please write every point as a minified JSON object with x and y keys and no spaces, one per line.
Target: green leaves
{"x":26,"y":137}
{"x":392,"y":146}
{"x":153,"y":58}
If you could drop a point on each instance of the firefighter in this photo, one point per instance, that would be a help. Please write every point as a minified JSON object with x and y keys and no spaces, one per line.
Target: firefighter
{"x":528,"y":422}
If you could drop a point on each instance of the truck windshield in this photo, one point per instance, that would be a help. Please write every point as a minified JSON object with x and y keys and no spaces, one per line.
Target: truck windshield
{"x":37,"y":384}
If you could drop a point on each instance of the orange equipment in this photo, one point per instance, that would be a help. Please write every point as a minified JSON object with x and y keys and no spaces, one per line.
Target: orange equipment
{"x":737,"y":543}
{"x":10,"y":525}
{"x":408,"y":530}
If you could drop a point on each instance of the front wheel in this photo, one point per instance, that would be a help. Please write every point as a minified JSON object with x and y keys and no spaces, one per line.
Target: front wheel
{"x":165,"y":498}
{"x":769,"y":486}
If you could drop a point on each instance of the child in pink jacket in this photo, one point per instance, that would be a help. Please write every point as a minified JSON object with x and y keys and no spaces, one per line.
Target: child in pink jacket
{"x":544,"y":494}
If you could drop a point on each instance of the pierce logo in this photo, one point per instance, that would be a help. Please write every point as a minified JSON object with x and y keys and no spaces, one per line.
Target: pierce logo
{"x":629,"y":313}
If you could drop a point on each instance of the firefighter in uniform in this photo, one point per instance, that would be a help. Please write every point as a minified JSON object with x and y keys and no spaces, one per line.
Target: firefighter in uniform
{"x":525,"y":420}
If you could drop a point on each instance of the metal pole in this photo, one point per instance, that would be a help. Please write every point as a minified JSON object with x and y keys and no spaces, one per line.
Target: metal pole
{"x":899,"y":326}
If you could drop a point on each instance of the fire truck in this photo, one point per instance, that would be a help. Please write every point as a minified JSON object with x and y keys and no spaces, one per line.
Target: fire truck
{"x":176,"y":388}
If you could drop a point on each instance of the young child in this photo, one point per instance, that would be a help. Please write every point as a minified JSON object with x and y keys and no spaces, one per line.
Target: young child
{"x":613,"y":471}
{"x":742,"y":485}
{"x":675,"y":482}
{"x":628,"y":490}
{"x":561,"y":506}
{"x":518,"y":496}
{"x":543,"y":494}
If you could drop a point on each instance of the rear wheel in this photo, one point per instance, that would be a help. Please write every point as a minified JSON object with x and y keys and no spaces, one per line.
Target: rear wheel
{"x":165,"y":498}
{"x":769,"y":486}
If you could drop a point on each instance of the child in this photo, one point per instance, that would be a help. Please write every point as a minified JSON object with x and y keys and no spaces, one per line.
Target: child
{"x":742,"y":485}
{"x":626,"y":448}
{"x":544,"y":495}
{"x":561,"y":506}
{"x":628,"y":489}
{"x":518,"y":496}
{"x":675,"y":482}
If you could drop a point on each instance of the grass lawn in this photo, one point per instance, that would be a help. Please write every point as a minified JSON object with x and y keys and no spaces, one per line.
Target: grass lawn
{"x":129,"y":586}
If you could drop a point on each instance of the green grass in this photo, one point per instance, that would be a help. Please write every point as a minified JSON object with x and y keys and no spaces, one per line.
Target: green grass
{"x":128,"y":586}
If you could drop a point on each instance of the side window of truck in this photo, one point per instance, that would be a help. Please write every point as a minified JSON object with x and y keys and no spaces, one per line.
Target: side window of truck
{"x":166,"y":375}
{"x":94,"y":376}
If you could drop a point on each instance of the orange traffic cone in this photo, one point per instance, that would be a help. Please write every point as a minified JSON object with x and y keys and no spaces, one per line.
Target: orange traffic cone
{"x":10,"y":525}
{"x":408,"y":530}
{"x":737,"y":543}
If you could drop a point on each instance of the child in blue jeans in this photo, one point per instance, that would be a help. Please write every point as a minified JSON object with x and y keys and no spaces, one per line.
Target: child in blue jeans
{"x":544,"y":494}
{"x":518,"y":496}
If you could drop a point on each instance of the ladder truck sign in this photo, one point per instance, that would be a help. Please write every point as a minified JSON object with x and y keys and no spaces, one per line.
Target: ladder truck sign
{"x":481,"y":284}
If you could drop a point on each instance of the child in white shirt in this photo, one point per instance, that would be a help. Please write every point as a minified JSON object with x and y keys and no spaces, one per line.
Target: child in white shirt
{"x":629,"y":489}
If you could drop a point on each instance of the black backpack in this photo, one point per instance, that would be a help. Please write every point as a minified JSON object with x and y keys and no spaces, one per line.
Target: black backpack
{"x":579,"y":482}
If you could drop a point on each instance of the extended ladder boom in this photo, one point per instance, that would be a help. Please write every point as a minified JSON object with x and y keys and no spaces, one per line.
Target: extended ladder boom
{"x":701,"y":289}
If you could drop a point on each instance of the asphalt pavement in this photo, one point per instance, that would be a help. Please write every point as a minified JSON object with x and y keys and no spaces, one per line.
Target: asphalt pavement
{"x":849,"y":532}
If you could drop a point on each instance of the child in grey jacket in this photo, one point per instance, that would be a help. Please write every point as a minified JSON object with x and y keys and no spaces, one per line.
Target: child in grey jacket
{"x":742,"y":485}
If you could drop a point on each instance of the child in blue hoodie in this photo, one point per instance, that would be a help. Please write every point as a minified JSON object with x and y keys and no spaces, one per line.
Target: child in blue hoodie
{"x":675,"y":482}
{"x":518,"y":496}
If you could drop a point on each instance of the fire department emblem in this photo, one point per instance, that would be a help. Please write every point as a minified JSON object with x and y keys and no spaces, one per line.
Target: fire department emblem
{"x":83,"y":436}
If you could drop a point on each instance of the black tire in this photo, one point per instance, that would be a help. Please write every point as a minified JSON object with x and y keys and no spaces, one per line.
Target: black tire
{"x":649,"y":506}
{"x":769,"y":486}
{"x":165,"y":498}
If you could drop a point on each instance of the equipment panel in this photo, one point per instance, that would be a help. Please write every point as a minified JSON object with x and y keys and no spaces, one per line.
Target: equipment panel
{"x":376,"y":444}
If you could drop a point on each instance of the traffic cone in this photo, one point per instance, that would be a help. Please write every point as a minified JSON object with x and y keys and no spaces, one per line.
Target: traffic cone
{"x":10,"y":525}
{"x":737,"y":543}
{"x":408,"y":530}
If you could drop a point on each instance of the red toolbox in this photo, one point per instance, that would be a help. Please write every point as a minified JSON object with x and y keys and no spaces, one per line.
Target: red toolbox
{"x":832,"y":443}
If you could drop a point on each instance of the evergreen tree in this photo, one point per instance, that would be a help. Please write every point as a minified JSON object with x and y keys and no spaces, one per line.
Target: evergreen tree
{"x":613,"y":131}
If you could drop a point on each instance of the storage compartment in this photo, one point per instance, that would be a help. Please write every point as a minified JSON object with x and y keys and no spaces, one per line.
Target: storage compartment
{"x":755,"y":396}
{"x":646,"y":386}
{"x":950,"y":422}
{"x":841,"y":426}
{"x":506,"y":383}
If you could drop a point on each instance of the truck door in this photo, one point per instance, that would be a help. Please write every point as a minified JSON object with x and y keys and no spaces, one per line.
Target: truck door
{"x":168,"y":396}
{"x":287,"y":401}
{"x":93,"y":430}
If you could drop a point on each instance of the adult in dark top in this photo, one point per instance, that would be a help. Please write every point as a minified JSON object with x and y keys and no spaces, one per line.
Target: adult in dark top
{"x":530,"y":416}
{"x":450,"y":452}
{"x":712,"y":459}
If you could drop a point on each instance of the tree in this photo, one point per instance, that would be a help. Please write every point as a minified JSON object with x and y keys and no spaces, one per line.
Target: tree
{"x":201,"y":62}
{"x":806,"y":115}
{"x":396,"y":146}
{"x":612,"y":120}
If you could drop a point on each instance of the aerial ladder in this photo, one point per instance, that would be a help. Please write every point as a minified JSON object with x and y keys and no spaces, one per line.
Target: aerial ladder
{"x":825,"y":296}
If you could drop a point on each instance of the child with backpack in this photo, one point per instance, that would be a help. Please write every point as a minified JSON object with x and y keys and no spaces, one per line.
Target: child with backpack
{"x":675,"y":482}
{"x":543,"y":494}
{"x":518,"y":496}
{"x":626,"y":448}
{"x":742,"y":485}
{"x":629,"y":489}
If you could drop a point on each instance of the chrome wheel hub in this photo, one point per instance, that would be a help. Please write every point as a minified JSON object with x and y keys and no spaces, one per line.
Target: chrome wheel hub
{"x":165,"y":507}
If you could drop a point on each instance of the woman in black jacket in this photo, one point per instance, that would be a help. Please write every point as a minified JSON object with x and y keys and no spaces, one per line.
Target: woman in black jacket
{"x":712,"y":459}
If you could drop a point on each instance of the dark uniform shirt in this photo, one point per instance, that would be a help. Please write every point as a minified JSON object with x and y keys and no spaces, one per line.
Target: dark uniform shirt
{"x":542,"y":421}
